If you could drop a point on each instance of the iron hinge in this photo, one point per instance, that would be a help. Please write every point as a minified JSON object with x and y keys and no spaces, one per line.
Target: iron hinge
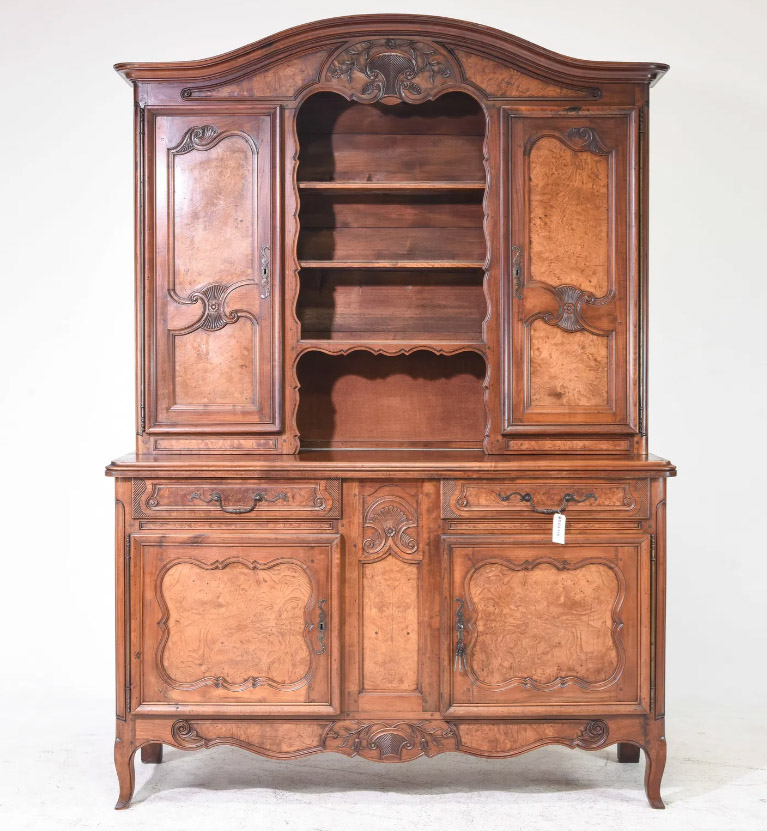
{"x":652,"y":548}
{"x":142,"y":419}
{"x":127,"y":698}
{"x":642,"y":118}
{"x":127,"y":546}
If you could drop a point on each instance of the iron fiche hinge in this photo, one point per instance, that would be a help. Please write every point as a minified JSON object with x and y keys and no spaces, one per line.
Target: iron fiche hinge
{"x":127,"y":698}
{"x":642,"y":118}
{"x":652,"y":548}
{"x":127,"y":546}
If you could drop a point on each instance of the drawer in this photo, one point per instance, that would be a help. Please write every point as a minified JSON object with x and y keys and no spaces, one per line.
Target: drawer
{"x":236,"y":498}
{"x":477,"y":499}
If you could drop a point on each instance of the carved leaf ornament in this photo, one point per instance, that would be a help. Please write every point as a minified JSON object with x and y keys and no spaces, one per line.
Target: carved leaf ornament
{"x":391,"y":68}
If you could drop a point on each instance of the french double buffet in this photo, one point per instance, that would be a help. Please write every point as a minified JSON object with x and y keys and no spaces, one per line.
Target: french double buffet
{"x":391,"y":329}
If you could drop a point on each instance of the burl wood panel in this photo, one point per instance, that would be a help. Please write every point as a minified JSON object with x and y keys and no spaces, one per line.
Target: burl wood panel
{"x":200,"y":358}
{"x":215,"y":354}
{"x":568,"y":370}
{"x":238,"y":623}
{"x":285,"y":80}
{"x":543,"y":624}
{"x":390,"y":625}
{"x":569,"y":216}
{"x":499,"y":80}
{"x":214,"y":213}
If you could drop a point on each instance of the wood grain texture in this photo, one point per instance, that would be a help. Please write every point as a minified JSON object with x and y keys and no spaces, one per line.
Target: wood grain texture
{"x":242,"y":624}
{"x":569,"y":216}
{"x":568,"y":370}
{"x":545,"y":625}
{"x":390,"y":624}
{"x":544,"y":630}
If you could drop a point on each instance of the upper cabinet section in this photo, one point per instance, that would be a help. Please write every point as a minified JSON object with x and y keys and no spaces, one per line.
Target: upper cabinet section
{"x":214,"y":355}
{"x":391,"y":208}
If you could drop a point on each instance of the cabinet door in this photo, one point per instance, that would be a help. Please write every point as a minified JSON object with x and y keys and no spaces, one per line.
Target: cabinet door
{"x":213,"y":301}
{"x":531,"y":627}
{"x":570,"y":285}
{"x":235,"y":622}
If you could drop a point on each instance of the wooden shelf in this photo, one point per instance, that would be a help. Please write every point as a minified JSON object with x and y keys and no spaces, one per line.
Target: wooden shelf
{"x":443,"y":264}
{"x":385,"y":187}
{"x":388,"y":347}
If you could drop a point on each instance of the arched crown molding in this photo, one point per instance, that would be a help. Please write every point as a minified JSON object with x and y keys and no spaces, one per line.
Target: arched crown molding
{"x":339,"y":33}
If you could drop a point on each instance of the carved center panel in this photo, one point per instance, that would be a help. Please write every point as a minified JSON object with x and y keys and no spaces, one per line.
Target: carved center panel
{"x":391,"y":68}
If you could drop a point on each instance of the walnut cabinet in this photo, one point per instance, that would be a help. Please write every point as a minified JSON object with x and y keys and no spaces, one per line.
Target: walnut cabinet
{"x":391,"y":317}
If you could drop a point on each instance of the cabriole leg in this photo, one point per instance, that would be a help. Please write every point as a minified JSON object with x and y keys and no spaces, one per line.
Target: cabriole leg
{"x":151,"y":754}
{"x":125,"y":774}
{"x":655,"y":756}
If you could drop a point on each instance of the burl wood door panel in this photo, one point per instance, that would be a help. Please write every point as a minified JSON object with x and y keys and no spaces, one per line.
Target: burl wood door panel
{"x":563,"y":629}
{"x":570,"y":273}
{"x":214,"y":299}
{"x":235,"y":623}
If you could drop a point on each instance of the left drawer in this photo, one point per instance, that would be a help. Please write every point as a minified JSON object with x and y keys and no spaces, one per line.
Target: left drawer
{"x":236,"y":498}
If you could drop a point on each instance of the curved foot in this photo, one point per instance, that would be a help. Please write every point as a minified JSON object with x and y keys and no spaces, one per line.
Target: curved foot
{"x":627,"y":752}
{"x":125,"y":774}
{"x":151,"y":754}
{"x":655,"y":755}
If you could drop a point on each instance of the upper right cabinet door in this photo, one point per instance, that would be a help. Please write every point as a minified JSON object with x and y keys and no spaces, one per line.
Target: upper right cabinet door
{"x":570,"y":274}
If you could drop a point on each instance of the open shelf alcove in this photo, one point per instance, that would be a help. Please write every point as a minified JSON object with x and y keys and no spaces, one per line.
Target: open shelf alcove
{"x":392,"y":252}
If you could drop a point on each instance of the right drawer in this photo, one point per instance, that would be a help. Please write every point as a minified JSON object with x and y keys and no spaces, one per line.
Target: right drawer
{"x":474,"y":498}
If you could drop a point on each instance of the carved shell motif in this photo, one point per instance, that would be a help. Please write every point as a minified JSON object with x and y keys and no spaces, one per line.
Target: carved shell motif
{"x":214,"y":317}
{"x":391,"y":68}
{"x":388,"y":522}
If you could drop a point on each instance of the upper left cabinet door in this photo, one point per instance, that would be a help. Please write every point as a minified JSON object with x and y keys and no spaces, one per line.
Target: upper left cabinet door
{"x":213,"y":293}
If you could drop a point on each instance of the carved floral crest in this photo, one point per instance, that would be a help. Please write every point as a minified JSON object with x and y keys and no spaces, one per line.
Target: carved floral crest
{"x":391,"y":68}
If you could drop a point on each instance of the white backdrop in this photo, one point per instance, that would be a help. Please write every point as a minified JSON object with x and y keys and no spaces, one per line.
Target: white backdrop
{"x":67,"y":331}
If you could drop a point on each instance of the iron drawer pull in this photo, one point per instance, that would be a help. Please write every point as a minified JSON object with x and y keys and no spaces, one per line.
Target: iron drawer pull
{"x":460,"y":649}
{"x":258,"y":498}
{"x":566,"y":500}
{"x":321,"y":625}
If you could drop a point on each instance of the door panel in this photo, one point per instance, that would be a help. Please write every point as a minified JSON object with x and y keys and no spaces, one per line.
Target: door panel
{"x":544,"y":627}
{"x":570,"y":281}
{"x":392,"y":601}
{"x":236,"y":621}
{"x":215,"y":304}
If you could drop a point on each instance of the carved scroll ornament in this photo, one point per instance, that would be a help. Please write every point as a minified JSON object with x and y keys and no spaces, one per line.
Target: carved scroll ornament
{"x":391,"y":68}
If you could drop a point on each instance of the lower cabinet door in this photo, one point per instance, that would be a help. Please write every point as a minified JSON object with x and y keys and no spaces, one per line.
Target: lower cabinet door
{"x":531,"y":626}
{"x":234,"y":623}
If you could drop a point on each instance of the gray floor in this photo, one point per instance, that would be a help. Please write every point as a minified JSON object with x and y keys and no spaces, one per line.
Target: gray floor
{"x":60,"y":776}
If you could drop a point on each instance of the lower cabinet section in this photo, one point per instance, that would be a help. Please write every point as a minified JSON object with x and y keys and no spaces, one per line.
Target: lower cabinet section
{"x":235,"y":622}
{"x":539,"y":626}
{"x":391,"y":632}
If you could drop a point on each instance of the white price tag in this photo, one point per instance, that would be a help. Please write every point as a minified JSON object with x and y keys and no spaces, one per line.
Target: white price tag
{"x":558,"y":529}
